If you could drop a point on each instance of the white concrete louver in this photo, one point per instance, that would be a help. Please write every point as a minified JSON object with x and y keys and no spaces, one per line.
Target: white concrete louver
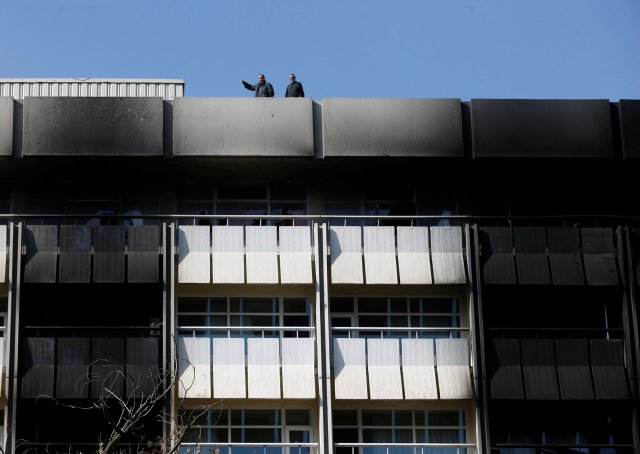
{"x":380,"y":368}
{"x":241,"y":368}
{"x":424,"y":255}
{"x":219,"y":254}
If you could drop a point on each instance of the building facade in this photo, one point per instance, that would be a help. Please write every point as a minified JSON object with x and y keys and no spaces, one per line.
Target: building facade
{"x":343,"y":275}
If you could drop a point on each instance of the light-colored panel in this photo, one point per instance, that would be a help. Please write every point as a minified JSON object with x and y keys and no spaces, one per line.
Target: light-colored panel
{"x":3,"y":252}
{"x":194,"y":260}
{"x":194,"y":367}
{"x":142,"y":253}
{"x":263,"y":360}
{"x":6,"y":125}
{"x":42,"y":253}
{"x":380,"y":255}
{"x":295,"y":255}
{"x":383,"y":364}
{"x":446,"y":254}
{"x":1,"y":366}
{"x":228,"y":254}
{"x":262,"y":254}
{"x":454,"y":375}
{"x":298,"y":377}
{"x":414,"y":265}
{"x":418,"y":369}
{"x":346,"y":255}
{"x":75,"y":254}
{"x":229,"y":379}
{"x":349,"y":369}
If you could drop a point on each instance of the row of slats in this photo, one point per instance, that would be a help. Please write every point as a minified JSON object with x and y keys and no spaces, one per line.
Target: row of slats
{"x":86,"y":366}
{"x":376,"y":372}
{"x":272,"y":368}
{"x":251,"y":254}
{"x":392,"y":255}
{"x":75,"y":262}
{"x":548,"y":369}
{"x":543,"y":256}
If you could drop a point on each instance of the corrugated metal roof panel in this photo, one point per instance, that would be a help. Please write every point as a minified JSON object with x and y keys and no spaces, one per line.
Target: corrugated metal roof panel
{"x":167,"y":89}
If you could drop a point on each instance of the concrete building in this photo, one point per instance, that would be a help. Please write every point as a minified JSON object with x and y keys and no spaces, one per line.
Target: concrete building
{"x":341,"y":275}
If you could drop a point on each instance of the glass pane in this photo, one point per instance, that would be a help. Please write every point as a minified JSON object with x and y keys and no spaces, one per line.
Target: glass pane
{"x":242,"y":193}
{"x":341,"y":304}
{"x":345,"y":418}
{"x":376,"y":418}
{"x":264,"y":305}
{"x":261,"y":417}
{"x":369,"y":305}
{"x":288,"y":192}
{"x":192,"y":305}
{"x":295,"y":305}
{"x":298,"y":417}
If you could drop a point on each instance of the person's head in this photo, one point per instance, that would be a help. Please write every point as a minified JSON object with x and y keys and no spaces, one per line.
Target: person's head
{"x":292,"y":77}
{"x":261,"y":79}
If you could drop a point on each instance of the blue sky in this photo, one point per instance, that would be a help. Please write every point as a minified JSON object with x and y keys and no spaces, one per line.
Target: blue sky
{"x":406,"y":48}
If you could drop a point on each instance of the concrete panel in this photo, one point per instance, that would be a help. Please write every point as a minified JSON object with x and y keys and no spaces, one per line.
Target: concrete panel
{"x":600,"y":263}
{"x":564,"y":256}
{"x":75,"y":254}
{"x":419,"y":369}
{"x":143,"y":253}
{"x":629,"y":112}
{"x":107,"y":367}
{"x":194,"y":367}
{"x":263,"y":368}
{"x":143,"y":373}
{"x":383,"y":366}
{"x":350,"y":369}
{"x":414,"y":265}
{"x":539,"y":369}
{"x":496,"y":253}
{"x":454,"y":373}
{"x":541,"y":128}
{"x":242,"y":127}
{"x":298,"y":368}
{"x":37,"y":367}
{"x":6,"y":126}
{"x":295,"y":255}
{"x":229,"y":374}
{"x":262,"y":254}
{"x":3,"y":252}
{"x":607,"y":368}
{"x":531,"y":256}
{"x":505,"y":369}
{"x":194,"y":261}
{"x":446,"y":255}
{"x":72,"y":369}
{"x":346,"y":255}
{"x":108,"y":260}
{"x":42,"y":253}
{"x":574,"y":375}
{"x":392,"y":127}
{"x":228,"y":254}
{"x":92,"y":127}
{"x":380,"y":255}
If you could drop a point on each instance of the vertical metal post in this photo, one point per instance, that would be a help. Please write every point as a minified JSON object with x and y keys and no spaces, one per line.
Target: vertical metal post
{"x":13,"y":334}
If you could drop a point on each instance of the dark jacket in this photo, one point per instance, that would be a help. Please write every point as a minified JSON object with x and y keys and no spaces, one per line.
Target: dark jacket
{"x":262,"y":91}
{"x":294,"y":90}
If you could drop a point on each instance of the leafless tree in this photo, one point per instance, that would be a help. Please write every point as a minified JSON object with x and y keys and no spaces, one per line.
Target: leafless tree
{"x":145,"y":397}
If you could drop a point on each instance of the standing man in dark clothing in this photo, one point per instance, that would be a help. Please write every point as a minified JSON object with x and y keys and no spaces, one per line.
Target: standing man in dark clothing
{"x":294,"y":89}
{"x":262,"y":89}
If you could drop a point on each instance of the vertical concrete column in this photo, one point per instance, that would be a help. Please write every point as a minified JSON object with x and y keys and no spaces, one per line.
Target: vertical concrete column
{"x":323,"y":338}
{"x":169,"y":338}
{"x":13,"y":335}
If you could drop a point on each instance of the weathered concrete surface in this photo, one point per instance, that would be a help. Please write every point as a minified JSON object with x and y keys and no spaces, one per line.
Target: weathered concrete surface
{"x":243,"y":127}
{"x":392,"y":127}
{"x":92,"y":127}
{"x":630,"y":125}
{"x":6,"y":126}
{"x":541,"y":128}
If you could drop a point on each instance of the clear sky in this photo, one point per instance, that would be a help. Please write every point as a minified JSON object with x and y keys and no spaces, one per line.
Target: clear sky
{"x":338,"y":48}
